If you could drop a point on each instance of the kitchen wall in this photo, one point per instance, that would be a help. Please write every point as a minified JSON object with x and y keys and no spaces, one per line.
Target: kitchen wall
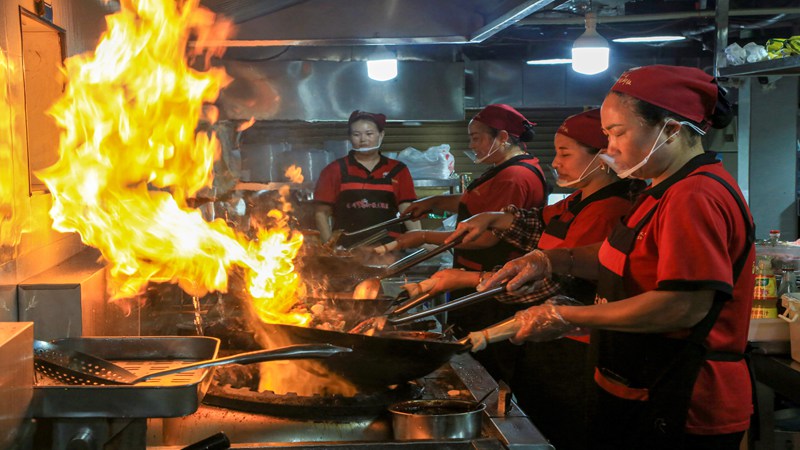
{"x":29,"y":244}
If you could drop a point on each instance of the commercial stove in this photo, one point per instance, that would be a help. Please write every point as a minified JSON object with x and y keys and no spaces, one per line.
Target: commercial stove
{"x":342,"y":424}
{"x":117,"y":418}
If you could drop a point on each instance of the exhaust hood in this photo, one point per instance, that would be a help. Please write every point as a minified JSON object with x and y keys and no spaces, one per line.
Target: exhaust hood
{"x":270,"y":23}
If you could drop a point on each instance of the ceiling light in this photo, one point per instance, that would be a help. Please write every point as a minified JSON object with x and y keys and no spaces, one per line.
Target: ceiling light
{"x":382,"y":65}
{"x":549,"y":62}
{"x":590,"y":51}
{"x":630,"y":40}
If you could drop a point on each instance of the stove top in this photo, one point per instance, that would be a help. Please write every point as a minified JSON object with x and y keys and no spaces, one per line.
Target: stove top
{"x":504,"y":425}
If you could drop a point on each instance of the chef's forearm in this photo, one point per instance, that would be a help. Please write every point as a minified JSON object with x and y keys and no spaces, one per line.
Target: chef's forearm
{"x":323,"y":220}
{"x":580,"y":262}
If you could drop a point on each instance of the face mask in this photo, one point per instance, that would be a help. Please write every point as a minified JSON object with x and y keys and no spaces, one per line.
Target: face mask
{"x":368,"y":149}
{"x":583,"y":175}
{"x":621,"y":171}
{"x":492,"y":149}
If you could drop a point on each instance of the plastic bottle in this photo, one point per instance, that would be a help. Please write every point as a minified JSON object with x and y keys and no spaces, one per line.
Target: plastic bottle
{"x":765,"y":293}
{"x":774,"y":237}
{"x":787,"y":286}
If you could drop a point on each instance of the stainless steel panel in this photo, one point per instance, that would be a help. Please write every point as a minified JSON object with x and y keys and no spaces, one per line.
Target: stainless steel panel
{"x":544,"y":86}
{"x":330,"y":91}
{"x":501,"y":82}
{"x":67,"y":300}
{"x":8,"y":292}
{"x":16,"y":382}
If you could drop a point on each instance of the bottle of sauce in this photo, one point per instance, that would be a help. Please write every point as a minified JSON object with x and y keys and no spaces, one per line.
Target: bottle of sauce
{"x":788,"y":285}
{"x":765,"y":293}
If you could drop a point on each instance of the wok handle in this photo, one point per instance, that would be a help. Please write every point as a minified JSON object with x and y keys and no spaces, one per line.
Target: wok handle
{"x":500,"y":331}
{"x":283,"y":353}
{"x":466,"y":300}
{"x":399,"y":268}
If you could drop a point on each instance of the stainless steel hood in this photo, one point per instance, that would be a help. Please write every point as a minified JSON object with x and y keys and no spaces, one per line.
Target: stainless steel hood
{"x":269,"y":23}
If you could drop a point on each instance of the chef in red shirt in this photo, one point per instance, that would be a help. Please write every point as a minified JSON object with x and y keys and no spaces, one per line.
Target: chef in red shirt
{"x":551,"y":379}
{"x":672,"y":310}
{"x":364,"y":187}
{"x":497,"y":134}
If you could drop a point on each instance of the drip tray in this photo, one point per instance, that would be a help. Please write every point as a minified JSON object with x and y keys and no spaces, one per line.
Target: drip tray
{"x":169,"y":396}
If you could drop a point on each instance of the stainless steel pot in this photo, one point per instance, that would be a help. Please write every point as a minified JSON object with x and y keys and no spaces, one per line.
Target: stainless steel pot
{"x":436,"y":419}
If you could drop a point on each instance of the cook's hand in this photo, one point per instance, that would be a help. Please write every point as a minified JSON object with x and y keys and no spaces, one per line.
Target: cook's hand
{"x":543,"y":322}
{"x":410,"y":239}
{"x":472,"y":228}
{"x":419,"y":208}
{"x":518,"y":272}
{"x":452,"y":279}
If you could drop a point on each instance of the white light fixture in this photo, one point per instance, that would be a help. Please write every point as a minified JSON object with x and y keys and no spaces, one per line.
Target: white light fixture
{"x":549,"y":62}
{"x":590,"y":51}
{"x":640,"y":39}
{"x":382,"y":65}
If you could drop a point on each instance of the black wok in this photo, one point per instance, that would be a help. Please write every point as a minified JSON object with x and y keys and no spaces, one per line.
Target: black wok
{"x":377,"y":360}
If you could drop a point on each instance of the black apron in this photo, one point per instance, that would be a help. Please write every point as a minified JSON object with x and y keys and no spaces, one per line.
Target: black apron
{"x":652,"y":376}
{"x":356,"y":209}
{"x":498,"y":359}
{"x":502,"y":252}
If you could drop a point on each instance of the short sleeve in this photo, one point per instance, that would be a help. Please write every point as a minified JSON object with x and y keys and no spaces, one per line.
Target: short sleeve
{"x":328,"y":184}
{"x":404,"y":187}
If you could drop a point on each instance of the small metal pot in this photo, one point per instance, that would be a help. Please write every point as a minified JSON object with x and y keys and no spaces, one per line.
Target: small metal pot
{"x":436,"y":419}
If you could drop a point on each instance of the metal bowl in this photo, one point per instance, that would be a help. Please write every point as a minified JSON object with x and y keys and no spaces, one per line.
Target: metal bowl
{"x":436,"y":419}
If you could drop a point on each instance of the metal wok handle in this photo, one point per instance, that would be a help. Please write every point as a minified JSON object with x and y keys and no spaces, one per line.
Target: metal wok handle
{"x":283,"y":353}
{"x":466,"y":300}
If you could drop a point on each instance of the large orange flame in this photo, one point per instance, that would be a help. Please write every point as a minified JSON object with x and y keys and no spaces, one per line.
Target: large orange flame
{"x":130,"y":156}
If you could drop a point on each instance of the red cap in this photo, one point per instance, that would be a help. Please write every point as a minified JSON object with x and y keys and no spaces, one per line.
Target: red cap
{"x":686,"y":91}
{"x":503,"y":117}
{"x":585,"y":128}
{"x":379,"y":119}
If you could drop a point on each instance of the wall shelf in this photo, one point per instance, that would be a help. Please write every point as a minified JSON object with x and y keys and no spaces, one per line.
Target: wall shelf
{"x":783,"y":66}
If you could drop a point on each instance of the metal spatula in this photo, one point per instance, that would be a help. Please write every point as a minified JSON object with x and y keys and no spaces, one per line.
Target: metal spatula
{"x":73,"y":367}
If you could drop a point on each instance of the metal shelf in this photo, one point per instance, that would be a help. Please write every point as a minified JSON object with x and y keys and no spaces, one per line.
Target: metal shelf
{"x":782,"y":66}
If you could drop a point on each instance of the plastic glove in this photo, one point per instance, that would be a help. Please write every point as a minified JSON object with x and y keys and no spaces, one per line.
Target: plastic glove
{"x":410,"y":239}
{"x":416,"y":289}
{"x":543,"y":322}
{"x":518,"y":272}
{"x":419,"y":208}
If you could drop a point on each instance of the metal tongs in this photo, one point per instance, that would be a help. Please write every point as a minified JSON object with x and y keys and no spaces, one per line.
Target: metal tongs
{"x":371,"y":287}
{"x":395,"y":319}
{"x":380,"y":227}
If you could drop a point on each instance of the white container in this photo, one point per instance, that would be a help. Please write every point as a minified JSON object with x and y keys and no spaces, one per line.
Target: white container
{"x":792,"y":315}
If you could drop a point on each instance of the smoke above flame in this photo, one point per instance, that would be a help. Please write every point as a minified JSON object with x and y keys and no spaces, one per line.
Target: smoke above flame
{"x":131,"y":156}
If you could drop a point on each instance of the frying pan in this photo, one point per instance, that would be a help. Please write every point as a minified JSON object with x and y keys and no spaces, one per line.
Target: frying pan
{"x":378,"y":360}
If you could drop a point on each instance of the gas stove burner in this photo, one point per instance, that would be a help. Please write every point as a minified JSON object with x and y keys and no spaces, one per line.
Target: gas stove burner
{"x":328,"y":407}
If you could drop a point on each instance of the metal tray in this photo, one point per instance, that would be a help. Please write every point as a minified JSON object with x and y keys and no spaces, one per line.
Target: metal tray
{"x":170,"y":396}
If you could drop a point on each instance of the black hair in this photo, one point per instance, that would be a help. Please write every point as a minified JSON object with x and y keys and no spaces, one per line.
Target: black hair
{"x":526,"y":136}
{"x":363,"y":115}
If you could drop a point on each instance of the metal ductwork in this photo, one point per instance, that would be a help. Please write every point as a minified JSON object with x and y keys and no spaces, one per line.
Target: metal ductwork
{"x":271,"y":23}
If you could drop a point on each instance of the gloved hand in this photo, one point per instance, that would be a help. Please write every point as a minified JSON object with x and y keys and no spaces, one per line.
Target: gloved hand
{"x":472,"y":228}
{"x":416,"y":289}
{"x":419,"y":208}
{"x":518,"y":272}
{"x":543,"y":322}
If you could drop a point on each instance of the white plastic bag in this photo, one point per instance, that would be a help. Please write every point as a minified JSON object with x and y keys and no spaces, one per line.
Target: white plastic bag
{"x":434,"y":163}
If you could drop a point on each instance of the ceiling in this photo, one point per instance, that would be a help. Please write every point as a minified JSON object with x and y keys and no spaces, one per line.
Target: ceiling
{"x":458,"y":30}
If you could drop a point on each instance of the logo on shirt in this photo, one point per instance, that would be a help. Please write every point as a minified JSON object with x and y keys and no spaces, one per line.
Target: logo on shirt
{"x":366,"y":204}
{"x":600,"y":300}
{"x":641,"y":235}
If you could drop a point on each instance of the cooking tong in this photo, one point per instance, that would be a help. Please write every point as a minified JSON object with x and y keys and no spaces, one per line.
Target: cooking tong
{"x":395,"y":319}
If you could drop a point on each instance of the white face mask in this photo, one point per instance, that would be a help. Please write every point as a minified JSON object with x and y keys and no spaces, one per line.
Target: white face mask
{"x":620,"y":169}
{"x":583,"y":176}
{"x":368,"y":149}
{"x":492,"y":150}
